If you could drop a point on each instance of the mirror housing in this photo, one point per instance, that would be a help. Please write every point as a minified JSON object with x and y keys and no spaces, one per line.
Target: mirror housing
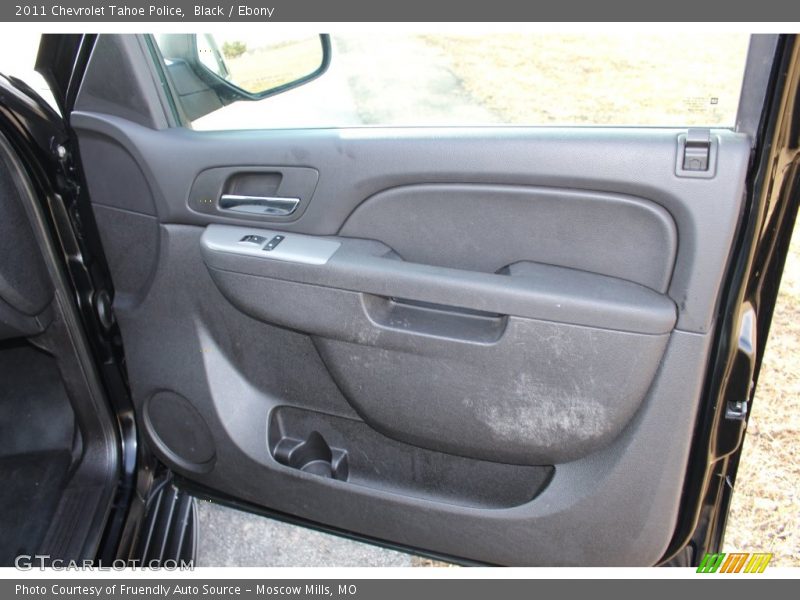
{"x":205,"y":75}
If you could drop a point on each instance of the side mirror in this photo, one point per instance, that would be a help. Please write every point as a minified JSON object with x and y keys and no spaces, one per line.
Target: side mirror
{"x":226,"y":68}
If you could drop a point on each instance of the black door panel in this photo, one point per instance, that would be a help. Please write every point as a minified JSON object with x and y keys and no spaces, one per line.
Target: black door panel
{"x":484,"y":342}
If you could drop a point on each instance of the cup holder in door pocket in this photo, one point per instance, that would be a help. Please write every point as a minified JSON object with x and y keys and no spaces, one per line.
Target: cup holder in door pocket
{"x":312,"y":455}
{"x":315,"y":442}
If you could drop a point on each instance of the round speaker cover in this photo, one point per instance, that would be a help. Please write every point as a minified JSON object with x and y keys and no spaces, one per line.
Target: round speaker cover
{"x":179,"y":431}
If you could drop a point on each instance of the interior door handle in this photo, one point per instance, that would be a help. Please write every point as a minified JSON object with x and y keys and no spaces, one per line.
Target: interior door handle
{"x":259,"y":205}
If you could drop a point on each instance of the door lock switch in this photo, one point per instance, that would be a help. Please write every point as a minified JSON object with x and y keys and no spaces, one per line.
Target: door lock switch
{"x":273,"y":242}
{"x":697,"y":150}
{"x":253,"y":239}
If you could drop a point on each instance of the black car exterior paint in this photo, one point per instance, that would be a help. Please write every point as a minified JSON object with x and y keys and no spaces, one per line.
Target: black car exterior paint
{"x":43,"y":142}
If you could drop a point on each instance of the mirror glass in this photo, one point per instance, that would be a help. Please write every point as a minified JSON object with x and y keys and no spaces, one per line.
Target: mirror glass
{"x":257,"y":64}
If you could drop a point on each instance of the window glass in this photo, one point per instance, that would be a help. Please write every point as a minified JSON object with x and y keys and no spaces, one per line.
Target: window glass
{"x":500,"y":79}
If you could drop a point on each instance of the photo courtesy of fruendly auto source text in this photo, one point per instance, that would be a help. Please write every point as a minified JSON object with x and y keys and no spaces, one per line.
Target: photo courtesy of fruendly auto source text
{"x":307,"y":299}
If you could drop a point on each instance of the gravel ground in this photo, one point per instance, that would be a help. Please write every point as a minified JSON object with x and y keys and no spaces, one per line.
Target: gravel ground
{"x":231,"y":538}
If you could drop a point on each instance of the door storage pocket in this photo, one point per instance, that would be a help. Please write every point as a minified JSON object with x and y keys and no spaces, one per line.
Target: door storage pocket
{"x":351,"y":451}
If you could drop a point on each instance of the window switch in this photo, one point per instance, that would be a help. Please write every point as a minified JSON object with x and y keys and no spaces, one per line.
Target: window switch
{"x":253,"y":239}
{"x":273,"y":242}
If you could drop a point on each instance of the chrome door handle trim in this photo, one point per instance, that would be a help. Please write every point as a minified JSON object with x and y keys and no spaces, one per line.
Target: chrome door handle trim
{"x":259,"y":205}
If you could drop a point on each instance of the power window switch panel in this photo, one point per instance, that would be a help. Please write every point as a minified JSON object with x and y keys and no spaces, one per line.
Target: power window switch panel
{"x":288,"y":247}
